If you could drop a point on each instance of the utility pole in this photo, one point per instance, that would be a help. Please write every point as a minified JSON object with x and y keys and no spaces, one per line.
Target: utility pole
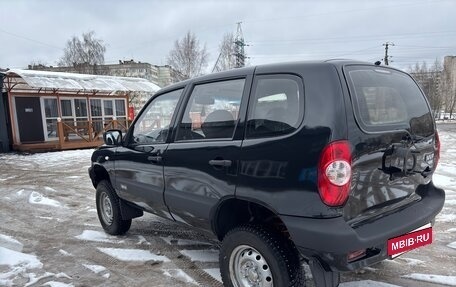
{"x":239,"y":49}
{"x":386,"y":59}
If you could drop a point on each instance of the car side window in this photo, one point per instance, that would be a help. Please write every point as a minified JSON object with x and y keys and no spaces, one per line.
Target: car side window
{"x":153,"y":124}
{"x":212,"y":111}
{"x":276,"y":107}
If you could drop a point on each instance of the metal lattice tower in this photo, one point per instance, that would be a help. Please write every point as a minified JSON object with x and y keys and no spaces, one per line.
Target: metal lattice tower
{"x":239,"y":49}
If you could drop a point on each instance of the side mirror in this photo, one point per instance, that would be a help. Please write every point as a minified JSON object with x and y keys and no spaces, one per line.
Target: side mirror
{"x":112,"y":137}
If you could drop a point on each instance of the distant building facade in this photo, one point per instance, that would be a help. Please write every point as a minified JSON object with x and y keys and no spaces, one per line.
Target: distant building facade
{"x":159,"y":75}
{"x":449,"y":73}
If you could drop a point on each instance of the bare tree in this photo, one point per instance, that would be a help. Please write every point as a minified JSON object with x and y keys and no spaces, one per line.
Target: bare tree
{"x":429,"y":81}
{"x":85,"y":52}
{"x":188,"y":58}
{"x":226,"y":59}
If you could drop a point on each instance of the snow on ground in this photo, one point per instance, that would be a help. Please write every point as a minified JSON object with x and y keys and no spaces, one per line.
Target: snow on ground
{"x":64,"y":253}
{"x":440,"y":279}
{"x":452,"y":245}
{"x":366,"y":283}
{"x":33,"y":279}
{"x":133,"y":254}
{"x":215,"y":273}
{"x":444,"y":181}
{"x":180,"y":275}
{"x":49,"y":220}
{"x":182,"y":242}
{"x":19,"y":263}
{"x":202,"y":255}
{"x":446,"y":217}
{"x":98,"y":236}
{"x":57,"y":284}
{"x":410,"y":261}
{"x":10,"y":243}
{"x":95,"y":268}
{"x":38,"y":198}
{"x":18,"y":259}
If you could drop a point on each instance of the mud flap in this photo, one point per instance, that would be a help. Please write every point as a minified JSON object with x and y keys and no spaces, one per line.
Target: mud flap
{"x":129,"y":212}
{"x":323,"y":277}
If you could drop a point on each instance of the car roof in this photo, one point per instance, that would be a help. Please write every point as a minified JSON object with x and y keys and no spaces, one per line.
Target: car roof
{"x":272,"y":67}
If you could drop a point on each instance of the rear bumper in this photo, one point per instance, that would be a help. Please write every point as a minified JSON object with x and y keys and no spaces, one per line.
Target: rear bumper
{"x":330,"y":240}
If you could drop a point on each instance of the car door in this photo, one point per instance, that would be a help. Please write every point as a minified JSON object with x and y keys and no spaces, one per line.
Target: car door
{"x":139,"y":162}
{"x":201,"y":164}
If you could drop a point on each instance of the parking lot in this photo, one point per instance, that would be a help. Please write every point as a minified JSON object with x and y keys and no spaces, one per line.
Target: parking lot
{"x":50,"y":235}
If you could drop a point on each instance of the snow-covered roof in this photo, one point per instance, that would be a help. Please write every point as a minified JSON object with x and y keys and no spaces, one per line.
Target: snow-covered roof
{"x":84,"y":82}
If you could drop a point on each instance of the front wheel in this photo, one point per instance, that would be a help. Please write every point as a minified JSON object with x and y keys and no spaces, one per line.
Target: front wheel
{"x":108,"y":209}
{"x":253,"y":256}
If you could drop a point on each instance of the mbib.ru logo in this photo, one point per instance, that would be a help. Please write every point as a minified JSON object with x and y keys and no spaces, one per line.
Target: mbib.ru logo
{"x":409,"y":241}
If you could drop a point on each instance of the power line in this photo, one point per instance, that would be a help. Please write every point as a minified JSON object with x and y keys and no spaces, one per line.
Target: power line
{"x":30,"y":39}
{"x":365,"y":37}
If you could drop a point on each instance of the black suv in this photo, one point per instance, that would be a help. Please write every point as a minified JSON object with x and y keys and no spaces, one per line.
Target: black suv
{"x":330,"y":162}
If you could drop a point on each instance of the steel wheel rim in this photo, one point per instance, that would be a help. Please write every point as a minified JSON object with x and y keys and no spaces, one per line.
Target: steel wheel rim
{"x":249,"y":268}
{"x":106,"y":208}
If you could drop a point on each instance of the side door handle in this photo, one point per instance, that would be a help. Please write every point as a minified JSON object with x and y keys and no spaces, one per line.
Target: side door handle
{"x":155,"y":158}
{"x":220,"y":163}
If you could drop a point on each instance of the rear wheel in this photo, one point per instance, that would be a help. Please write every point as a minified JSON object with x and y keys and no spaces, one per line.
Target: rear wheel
{"x":108,"y":209}
{"x":253,"y":256}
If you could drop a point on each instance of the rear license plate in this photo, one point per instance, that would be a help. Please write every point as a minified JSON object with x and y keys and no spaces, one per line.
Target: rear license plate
{"x":417,"y":238}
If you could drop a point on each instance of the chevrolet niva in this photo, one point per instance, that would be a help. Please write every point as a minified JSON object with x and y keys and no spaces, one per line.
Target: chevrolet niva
{"x":329,"y":162}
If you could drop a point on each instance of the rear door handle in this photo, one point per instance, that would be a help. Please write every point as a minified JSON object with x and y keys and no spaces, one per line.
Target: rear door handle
{"x":155,"y":159}
{"x":220,"y":163}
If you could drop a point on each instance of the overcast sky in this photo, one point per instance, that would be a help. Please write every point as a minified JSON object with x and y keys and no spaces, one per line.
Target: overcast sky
{"x":276,"y":31}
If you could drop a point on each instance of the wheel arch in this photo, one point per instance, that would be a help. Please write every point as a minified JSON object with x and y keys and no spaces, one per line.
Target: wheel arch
{"x":98,"y":173}
{"x":232,"y":212}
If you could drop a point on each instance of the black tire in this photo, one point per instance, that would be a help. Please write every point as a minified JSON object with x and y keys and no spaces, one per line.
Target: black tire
{"x":270,"y":251}
{"x":111,"y":221}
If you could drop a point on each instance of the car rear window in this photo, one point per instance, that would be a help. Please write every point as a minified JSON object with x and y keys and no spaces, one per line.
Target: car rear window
{"x":385,"y":99}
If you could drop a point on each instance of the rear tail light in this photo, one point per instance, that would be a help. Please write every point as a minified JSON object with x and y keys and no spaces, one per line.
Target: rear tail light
{"x":437,"y":149}
{"x":334,"y":173}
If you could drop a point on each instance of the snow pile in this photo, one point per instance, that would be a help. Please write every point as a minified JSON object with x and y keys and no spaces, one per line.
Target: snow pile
{"x":38,"y":198}
{"x":179,"y":275}
{"x":133,"y":254}
{"x":438,"y":279}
